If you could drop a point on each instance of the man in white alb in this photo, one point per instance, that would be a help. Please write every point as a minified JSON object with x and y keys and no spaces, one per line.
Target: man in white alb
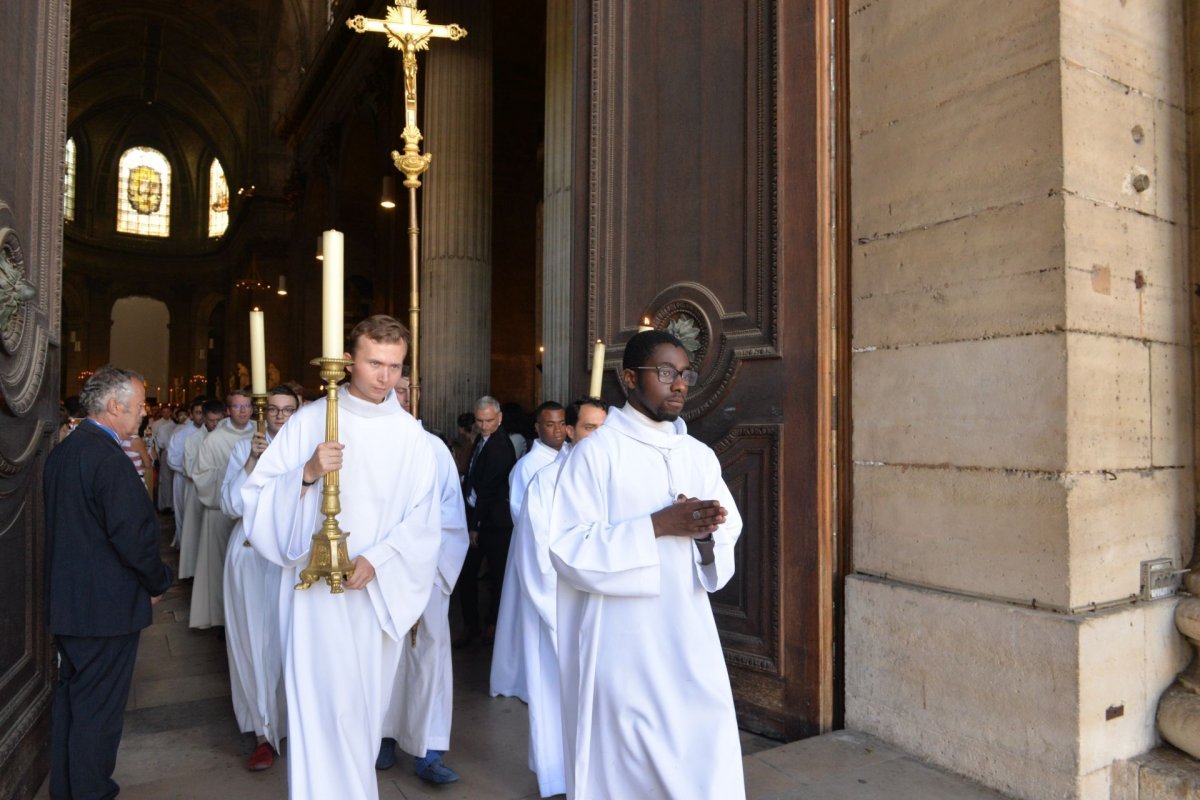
{"x":208,"y":591}
{"x":341,"y":652}
{"x":530,"y":596}
{"x":193,"y":517}
{"x":508,"y":667}
{"x":251,"y":585}
{"x":161,"y":430}
{"x":642,"y":529}
{"x":421,"y":707}
{"x":174,"y":457}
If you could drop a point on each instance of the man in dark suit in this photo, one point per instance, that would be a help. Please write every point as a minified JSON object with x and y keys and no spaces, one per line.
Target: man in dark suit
{"x":103,"y":575}
{"x":485,"y":488}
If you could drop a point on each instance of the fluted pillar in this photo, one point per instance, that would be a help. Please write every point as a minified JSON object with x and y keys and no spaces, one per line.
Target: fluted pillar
{"x":456,"y":226}
{"x":556,"y":204}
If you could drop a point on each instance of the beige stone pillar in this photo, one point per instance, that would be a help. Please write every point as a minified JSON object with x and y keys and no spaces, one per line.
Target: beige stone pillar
{"x":557,"y":203}
{"x":1179,"y":708}
{"x":1022,"y":386}
{"x":456,"y":226}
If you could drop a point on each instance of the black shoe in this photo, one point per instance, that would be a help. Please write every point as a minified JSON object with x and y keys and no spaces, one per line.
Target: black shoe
{"x":387,"y":754}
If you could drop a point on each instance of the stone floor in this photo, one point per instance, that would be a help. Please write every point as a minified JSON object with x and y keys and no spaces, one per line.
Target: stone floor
{"x":181,"y":741}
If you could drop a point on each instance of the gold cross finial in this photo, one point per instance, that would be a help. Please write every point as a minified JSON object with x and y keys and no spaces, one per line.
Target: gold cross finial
{"x":408,"y":29}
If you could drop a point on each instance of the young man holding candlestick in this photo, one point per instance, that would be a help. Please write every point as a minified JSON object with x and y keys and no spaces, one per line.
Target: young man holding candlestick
{"x":341,"y":651}
{"x":252,"y":599}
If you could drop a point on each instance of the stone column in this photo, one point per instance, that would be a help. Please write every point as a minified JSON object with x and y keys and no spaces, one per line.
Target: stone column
{"x":556,"y":204}
{"x":1022,"y":384}
{"x":456,"y":226}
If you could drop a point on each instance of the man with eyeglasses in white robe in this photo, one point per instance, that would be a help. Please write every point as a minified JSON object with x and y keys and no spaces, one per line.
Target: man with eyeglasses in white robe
{"x":642,"y":530}
{"x":251,"y":586}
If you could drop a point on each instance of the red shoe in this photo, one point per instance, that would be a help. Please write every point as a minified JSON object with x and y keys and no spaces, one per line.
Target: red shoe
{"x":262,"y":757}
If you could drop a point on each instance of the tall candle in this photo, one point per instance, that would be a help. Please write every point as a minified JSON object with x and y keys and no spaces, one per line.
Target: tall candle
{"x":258,"y":353}
{"x":597,"y":369}
{"x":333,"y":336}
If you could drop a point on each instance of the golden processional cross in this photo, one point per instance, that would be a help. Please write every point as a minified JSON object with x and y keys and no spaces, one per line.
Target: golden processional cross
{"x":408,"y":29}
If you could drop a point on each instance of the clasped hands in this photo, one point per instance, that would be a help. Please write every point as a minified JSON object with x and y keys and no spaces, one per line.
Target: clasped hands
{"x":690,"y":517}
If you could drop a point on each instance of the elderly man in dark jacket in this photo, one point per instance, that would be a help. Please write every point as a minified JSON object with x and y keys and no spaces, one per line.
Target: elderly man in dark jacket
{"x":103,"y":575}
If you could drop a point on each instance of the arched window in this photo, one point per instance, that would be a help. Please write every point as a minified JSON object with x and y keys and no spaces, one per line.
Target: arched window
{"x":69,"y":182}
{"x":144,"y":193}
{"x":218,"y":200}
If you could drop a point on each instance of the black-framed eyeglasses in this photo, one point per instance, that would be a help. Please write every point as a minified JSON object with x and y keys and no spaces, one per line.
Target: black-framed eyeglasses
{"x":669,"y":374}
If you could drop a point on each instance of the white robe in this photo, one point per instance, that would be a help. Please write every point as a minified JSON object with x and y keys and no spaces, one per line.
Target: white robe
{"x":647,"y":706}
{"x":421,"y":707}
{"x":174,"y":459}
{"x":530,"y":597}
{"x":508,"y":657}
{"x":162,"y":443}
{"x":208,"y":589}
{"x":522,"y":473}
{"x":251,"y":618}
{"x":341,"y":652}
{"x":193,"y":510}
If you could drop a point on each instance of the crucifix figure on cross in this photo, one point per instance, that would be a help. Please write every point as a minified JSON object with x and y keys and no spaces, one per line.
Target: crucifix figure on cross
{"x":408,"y":30}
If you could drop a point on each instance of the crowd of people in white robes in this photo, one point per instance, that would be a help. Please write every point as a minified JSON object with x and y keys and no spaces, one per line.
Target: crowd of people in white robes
{"x":622,"y":526}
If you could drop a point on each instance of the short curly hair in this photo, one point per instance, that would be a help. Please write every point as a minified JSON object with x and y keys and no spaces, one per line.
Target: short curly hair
{"x":106,"y":382}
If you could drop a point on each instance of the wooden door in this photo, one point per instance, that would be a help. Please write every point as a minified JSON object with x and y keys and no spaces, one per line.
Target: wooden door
{"x":701,"y":161}
{"x":33,"y":59}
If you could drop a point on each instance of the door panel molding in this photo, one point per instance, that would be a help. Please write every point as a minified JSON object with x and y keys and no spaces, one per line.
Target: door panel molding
{"x":710,"y":201}
{"x":33,"y":63}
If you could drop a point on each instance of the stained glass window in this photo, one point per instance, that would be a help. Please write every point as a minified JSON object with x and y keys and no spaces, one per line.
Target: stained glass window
{"x":218,"y":200}
{"x":69,"y":183}
{"x":144,"y":193}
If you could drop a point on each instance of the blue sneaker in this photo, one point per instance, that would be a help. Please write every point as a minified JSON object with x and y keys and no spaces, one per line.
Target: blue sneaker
{"x":387,"y":755}
{"x":434,"y":770}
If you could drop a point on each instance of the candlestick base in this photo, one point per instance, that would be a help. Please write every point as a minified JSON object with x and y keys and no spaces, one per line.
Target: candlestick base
{"x":329,"y":560}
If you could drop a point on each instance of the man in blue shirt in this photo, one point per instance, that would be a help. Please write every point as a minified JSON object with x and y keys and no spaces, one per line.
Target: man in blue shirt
{"x":103,"y":574}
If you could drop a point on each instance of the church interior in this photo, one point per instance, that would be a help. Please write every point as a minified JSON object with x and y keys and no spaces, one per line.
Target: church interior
{"x":269,"y":124}
{"x":936,"y":266}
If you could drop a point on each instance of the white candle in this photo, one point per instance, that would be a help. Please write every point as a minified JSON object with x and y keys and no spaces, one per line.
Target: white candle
{"x":258,"y":353}
{"x":333,"y":336}
{"x":645,"y":326}
{"x":597,"y":369}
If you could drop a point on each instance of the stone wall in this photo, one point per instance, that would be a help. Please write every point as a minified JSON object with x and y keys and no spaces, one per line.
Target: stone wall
{"x":1022,"y":385}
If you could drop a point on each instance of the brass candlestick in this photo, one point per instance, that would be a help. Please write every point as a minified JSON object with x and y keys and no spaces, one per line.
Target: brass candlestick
{"x":260,"y":412}
{"x":260,"y":424}
{"x":329,"y":558}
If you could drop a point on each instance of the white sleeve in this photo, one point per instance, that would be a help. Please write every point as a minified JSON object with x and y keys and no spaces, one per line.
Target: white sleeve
{"x":235,"y":479}
{"x":279,"y":521}
{"x":589,"y":551}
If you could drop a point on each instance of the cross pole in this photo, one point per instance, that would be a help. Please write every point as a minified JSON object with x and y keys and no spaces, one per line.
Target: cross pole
{"x":408,"y":29}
